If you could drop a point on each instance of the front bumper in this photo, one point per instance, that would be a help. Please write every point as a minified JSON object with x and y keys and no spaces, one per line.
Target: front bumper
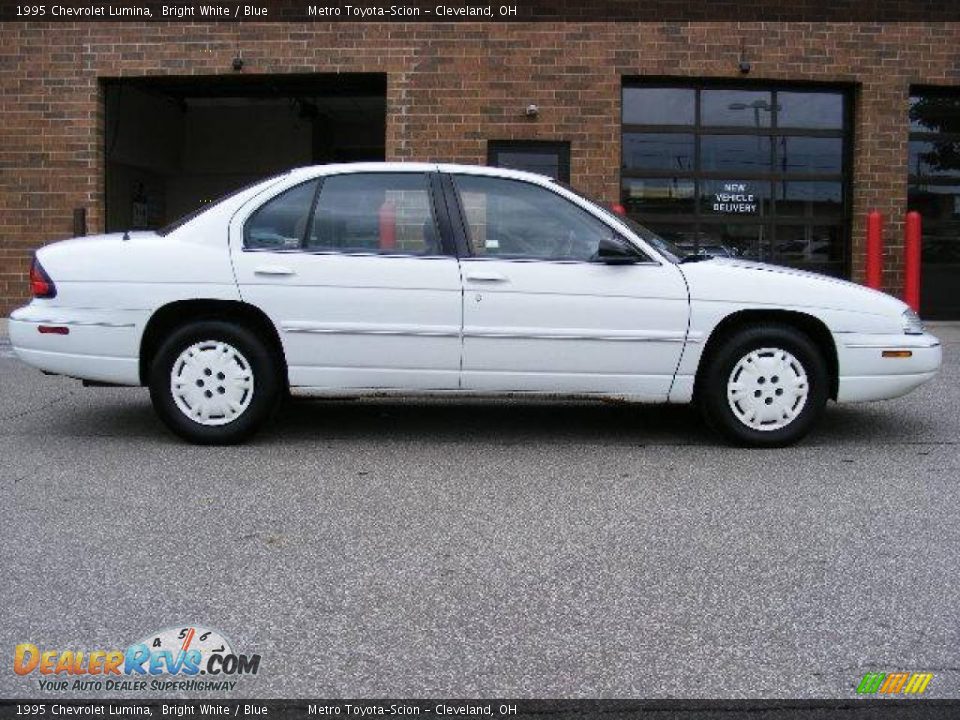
{"x":865,"y":374}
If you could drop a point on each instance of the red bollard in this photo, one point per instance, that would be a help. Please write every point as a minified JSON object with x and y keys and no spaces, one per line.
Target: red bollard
{"x":874,"y":274}
{"x":913,"y":232}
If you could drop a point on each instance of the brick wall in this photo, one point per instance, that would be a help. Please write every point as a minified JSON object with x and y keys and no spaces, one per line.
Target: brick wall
{"x":450,"y":88}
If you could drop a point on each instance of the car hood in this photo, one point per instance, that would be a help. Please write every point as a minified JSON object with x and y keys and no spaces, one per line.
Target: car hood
{"x":759,"y":284}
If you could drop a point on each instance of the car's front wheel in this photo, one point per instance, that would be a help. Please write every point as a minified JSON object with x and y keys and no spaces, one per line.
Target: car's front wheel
{"x":764,"y":386}
{"x":214,"y":382}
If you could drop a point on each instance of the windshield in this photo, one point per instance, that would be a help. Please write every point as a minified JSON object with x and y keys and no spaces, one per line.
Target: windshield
{"x":183,"y":220}
{"x":667,"y":248}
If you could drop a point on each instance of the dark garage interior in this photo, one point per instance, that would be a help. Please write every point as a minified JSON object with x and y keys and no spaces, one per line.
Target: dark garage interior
{"x":174,"y":143}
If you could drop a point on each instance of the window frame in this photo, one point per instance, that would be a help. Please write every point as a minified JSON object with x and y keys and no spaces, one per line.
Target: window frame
{"x":437,"y":206}
{"x":697,"y":220}
{"x":464,"y":242}
{"x":560,"y":148}
{"x":275,"y":196}
{"x":933,"y":227}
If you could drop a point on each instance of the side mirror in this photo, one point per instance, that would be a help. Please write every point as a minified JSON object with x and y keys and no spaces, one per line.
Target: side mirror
{"x":612,"y":251}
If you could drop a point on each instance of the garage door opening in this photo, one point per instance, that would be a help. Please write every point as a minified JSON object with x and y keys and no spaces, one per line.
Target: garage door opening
{"x":173,"y":144}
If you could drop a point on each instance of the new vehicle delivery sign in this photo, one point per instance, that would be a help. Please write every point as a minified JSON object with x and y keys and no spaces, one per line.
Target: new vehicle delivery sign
{"x":735,"y":198}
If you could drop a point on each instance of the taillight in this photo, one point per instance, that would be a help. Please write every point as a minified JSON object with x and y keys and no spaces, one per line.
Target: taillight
{"x":40,"y":283}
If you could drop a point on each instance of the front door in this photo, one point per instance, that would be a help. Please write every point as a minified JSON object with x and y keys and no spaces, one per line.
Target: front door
{"x":542,"y":314}
{"x":356,"y":276}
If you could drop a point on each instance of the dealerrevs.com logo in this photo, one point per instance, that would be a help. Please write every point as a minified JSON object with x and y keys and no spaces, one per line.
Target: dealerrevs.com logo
{"x":191,"y":658}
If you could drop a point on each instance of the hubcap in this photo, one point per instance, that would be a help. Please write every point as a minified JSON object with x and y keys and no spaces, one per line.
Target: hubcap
{"x":212,"y":383}
{"x":767,"y":389}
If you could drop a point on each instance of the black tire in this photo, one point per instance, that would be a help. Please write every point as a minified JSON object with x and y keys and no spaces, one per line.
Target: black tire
{"x":265,"y":392}
{"x":713,"y":386}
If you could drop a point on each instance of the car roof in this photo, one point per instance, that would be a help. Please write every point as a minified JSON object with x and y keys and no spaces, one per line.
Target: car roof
{"x":339,"y":168}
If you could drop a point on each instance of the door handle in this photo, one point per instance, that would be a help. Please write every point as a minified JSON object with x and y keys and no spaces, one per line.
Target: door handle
{"x":273,"y":270}
{"x":487,"y":277}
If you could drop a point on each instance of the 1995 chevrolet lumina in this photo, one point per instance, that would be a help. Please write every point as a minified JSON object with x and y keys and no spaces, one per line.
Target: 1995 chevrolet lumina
{"x":425,"y":279}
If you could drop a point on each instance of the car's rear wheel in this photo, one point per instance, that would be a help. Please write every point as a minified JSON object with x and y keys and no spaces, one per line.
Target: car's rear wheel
{"x":764,"y":386}
{"x":214,"y":382}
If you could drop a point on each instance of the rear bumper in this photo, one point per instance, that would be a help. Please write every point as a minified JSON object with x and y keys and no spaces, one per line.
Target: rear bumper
{"x":101,"y":346}
{"x":865,"y":374}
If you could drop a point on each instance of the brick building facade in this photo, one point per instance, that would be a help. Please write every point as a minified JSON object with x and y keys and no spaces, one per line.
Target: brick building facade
{"x":451,"y":88}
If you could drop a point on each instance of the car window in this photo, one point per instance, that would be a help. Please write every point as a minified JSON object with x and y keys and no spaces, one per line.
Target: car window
{"x":387,"y":213}
{"x":671,"y":251}
{"x":516,"y":219}
{"x":280,"y":223}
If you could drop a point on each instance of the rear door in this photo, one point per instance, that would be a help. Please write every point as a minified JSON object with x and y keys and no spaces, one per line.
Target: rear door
{"x":542,"y":313}
{"x":359,"y":278}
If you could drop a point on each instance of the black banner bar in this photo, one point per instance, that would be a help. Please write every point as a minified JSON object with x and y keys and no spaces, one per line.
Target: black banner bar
{"x":581,"y":11}
{"x":501,"y":709}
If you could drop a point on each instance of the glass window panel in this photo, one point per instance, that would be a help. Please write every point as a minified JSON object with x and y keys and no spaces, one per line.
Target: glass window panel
{"x":543,"y":163}
{"x":736,"y":108}
{"x":682,"y":235}
{"x":509,"y":218}
{"x":941,"y":268}
{"x":749,"y":241}
{"x":813,"y":198}
{"x":815,"y":110}
{"x":385,"y":213}
{"x":738,"y":216}
{"x":747,"y":153}
{"x":658,"y":195}
{"x":939,"y":158}
{"x":659,"y":106}
{"x":691,"y":241}
{"x":799,"y":154}
{"x":658,"y":151}
{"x":941,"y":244}
{"x":735,"y":198}
{"x":280,"y":223}
{"x":935,"y":113}
{"x":798,"y":244}
{"x":935,"y":202}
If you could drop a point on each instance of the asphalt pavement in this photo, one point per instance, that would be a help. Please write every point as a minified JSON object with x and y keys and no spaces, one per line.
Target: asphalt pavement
{"x":488,"y":549}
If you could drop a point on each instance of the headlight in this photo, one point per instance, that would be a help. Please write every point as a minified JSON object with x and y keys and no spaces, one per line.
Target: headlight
{"x":912,"y":324}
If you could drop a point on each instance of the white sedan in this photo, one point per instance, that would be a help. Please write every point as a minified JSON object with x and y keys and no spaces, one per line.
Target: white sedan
{"x":427,"y":279}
